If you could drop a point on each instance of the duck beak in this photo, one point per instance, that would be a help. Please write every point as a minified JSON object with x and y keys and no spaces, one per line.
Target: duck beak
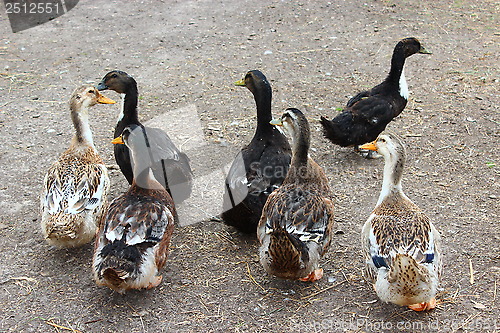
{"x":104,"y":100}
{"x":276,"y":122}
{"x":240,"y":83}
{"x":423,"y":50}
{"x":118,"y":141}
{"x":102,"y":86}
{"x":369,"y":146}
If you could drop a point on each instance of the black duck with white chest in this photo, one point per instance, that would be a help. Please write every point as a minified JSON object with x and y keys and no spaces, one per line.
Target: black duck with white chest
{"x":171,"y":167}
{"x":295,"y":228}
{"x":260,"y":167}
{"x":367,"y":114}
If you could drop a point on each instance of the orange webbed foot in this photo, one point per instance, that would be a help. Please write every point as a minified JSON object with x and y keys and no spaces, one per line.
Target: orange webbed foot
{"x":426,"y":306}
{"x":313,"y":276}
{"x":155,"y":282}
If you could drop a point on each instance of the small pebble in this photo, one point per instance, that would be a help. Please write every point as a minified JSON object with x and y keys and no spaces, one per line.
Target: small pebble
{"x":141,"y":313}
{"x":46,"y":273}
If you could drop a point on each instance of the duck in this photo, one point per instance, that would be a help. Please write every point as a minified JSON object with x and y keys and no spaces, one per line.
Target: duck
{"x":401,"y":246}
{"x":132,"y":242}
{"x":295,"y":229}
{"x":367,"y":114}
{"x":76,"y":186}
{"x":171,"y":167}
{"x":260,"y":167}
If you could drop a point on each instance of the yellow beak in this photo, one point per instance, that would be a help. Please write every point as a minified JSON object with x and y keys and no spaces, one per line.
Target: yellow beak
{"x":240,"y":83}
{"x":118,"y":141}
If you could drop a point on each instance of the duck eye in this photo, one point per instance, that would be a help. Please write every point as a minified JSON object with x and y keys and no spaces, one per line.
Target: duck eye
{"x":92,"y":91}
{"x":114,"y":76}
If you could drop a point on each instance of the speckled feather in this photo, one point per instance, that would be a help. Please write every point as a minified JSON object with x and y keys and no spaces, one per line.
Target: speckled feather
{"x":302,"y":211}
{"x":401,"y":246}
{"x":77,"y":184}
{"x":134,"y":236}
{"x":399,"y":227}
{"x":295,"y":228}
{"x":135,"y":231}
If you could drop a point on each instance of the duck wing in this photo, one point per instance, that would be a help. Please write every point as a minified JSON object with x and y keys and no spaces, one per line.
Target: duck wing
{"x":301,"y":212}
{"x":373,"y":110}
{"x":407,"y":232}
{"x":167,"y":161}
{"x":137,"y":219}
{"x":257,"y":172}
{"x":358,"y":97}
{"x":72,"y":187}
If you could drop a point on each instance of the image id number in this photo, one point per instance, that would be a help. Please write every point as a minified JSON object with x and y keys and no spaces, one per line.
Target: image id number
{"x":32,"y":8}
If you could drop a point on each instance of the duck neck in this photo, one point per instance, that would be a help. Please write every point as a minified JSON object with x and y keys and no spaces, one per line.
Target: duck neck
{"x":300,"y":156}
{"x":144,"y":178}
{"x":393,"y":172}
{"x":263,"y":98}
{"x":396,"y":74}
{"x":80,"y":118}
{"x":128,"y":114}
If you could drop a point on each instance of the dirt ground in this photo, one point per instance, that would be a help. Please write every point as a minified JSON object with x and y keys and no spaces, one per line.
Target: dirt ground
{"x":186,"y":55}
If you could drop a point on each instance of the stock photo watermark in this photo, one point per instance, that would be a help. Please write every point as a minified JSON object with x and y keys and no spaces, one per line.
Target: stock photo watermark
{"x":370,"y":325}
{"x":25,"y":14}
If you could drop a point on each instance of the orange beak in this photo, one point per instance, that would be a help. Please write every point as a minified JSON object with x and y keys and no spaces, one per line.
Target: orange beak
{"x":369,"y":146}
{"x":103,"y":99}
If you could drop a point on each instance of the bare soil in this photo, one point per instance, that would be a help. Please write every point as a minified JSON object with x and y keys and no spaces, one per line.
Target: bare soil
{"x":187,"y":54}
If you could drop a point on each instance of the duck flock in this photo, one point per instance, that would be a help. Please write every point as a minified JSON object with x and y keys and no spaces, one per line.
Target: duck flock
{"x":273,"y":189}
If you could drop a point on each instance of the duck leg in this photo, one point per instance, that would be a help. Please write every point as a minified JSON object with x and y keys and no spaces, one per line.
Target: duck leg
{"x":155,"y":282}
{"x":313,"y":276}
{"x":425,"y":306}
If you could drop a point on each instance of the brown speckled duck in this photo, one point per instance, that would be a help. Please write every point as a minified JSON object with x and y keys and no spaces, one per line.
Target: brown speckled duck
{"x":295,"y":228}
{"x":134,"y":236}
{"x":400,"y":244}
{"x":76,"y":186}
